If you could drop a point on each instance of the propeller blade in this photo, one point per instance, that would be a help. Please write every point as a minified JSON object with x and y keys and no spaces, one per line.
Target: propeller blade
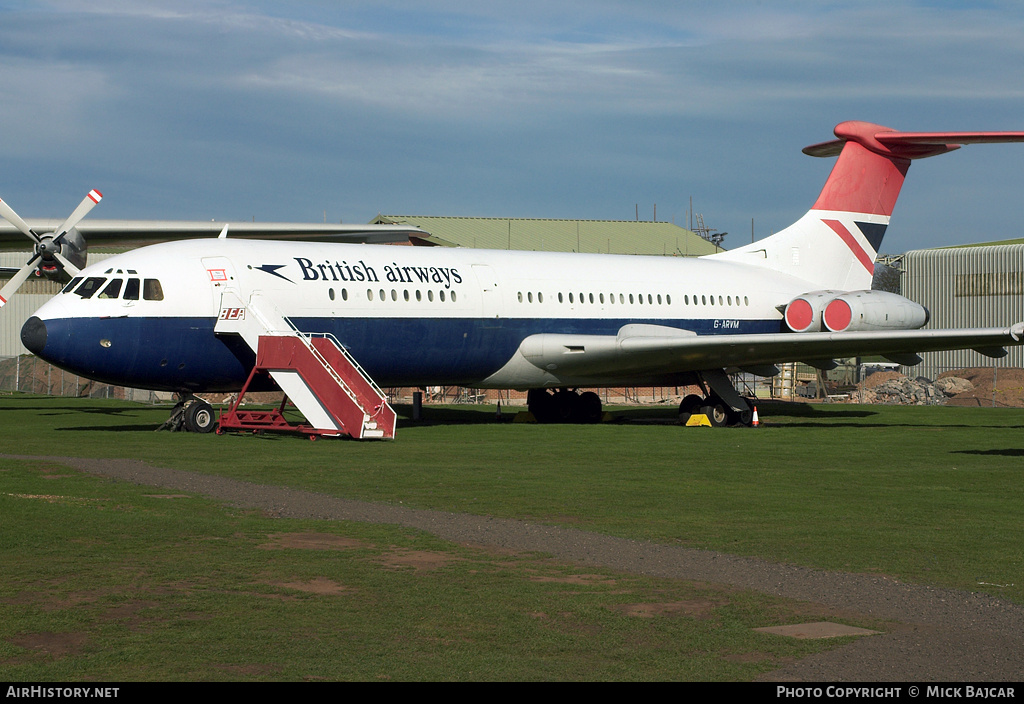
{"x":16,"y":281}
{"x":87,"y":204}
{"x":68,"y":266}
{"x":8,"y":214}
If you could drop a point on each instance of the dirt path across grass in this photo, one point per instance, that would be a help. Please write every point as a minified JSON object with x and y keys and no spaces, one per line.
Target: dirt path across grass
{"x":941,"y":634}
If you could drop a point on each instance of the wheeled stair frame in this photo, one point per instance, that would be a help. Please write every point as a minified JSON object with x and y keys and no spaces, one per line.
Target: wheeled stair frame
{"x":315,"y":372}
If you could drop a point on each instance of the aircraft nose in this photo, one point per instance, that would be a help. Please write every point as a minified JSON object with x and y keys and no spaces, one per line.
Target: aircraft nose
{"x":33,"y":335}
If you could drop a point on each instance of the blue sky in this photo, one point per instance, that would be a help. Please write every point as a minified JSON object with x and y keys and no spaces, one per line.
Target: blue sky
{"x":242,"y":109}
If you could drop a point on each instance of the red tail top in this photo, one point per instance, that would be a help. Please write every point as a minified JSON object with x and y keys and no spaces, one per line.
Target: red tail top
{"x":873,"y":161}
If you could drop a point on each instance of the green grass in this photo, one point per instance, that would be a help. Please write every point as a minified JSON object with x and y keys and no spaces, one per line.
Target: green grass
{"x":108,"y":581}
{"x":927,"y":494}
{"x":931,"y":495}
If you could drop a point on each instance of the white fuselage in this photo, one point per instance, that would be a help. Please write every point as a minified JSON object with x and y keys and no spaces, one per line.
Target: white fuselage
{"x":410,"y":315}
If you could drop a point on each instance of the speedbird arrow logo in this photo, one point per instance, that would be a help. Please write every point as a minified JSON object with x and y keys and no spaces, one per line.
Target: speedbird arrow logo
{"x":272,"y":269}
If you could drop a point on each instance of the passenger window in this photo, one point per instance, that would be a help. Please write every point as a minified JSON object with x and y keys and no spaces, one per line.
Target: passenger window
{"x":131,"y":290}
{"x":90,"y":286}
{"x":152,"y":290}
{"x":113,"y":289}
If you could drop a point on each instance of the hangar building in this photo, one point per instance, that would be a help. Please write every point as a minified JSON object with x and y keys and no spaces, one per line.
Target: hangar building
{"x":542,"y":235}
{"x":972,"y":286}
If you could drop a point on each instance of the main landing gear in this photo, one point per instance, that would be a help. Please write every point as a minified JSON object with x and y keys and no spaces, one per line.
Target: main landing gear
{"x":564,"y":406}
{"x":571,"y":406}
{"x":720,"y":402}
{"x":191,"y":413}
{"x":719,"y":413}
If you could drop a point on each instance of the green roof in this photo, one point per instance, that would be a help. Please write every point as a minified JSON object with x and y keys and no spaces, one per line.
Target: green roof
{"x":605,"y":236}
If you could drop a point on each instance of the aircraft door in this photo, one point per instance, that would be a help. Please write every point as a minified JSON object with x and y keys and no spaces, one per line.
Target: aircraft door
{"x":220,"y":273}
{"x":491,"y":308}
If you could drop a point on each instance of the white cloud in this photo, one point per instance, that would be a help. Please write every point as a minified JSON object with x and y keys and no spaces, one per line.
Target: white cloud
{"x":584,"y":100}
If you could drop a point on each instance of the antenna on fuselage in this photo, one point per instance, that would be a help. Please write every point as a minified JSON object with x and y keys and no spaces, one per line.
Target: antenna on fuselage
{"x":223,"y":233}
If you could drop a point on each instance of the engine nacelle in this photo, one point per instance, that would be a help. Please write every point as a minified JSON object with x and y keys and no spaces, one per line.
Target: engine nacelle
{"x":72,"y":247}
{"x":803,"y":314}
{"x":873,"y":310}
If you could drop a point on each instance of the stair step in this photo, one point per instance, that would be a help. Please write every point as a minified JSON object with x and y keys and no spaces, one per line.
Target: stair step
{"x":315,"y":371}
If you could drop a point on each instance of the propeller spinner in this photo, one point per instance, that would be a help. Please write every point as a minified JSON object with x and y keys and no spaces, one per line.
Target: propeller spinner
{"x":51,"y":251}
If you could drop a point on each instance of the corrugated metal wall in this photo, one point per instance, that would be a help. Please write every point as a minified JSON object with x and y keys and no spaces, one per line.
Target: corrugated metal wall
{"x":964,"y":288}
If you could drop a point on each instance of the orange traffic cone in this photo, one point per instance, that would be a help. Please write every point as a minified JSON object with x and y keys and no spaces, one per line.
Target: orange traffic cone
{"x":755,"y":423}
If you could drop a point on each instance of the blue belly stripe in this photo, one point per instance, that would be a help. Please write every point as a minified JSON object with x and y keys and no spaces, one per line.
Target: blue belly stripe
{"x":174,"y":354}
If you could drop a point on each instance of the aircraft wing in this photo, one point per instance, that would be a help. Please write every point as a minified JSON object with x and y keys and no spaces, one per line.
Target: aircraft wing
{"x":134,"y":233}
{"x":660,"y":350}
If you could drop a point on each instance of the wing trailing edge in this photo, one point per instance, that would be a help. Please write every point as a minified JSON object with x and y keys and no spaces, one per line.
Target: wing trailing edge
{"x":655,"y":350}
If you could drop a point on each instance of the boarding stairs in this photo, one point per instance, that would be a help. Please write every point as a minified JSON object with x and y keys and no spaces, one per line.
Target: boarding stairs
{"x":316,"y":373}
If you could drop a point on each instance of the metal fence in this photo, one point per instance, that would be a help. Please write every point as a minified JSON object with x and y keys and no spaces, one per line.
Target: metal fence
{"x":29,"y":374}
{"x":994,"y":386}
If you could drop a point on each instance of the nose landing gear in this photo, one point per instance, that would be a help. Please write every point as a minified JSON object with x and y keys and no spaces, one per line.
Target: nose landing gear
{"x":191,"y":413}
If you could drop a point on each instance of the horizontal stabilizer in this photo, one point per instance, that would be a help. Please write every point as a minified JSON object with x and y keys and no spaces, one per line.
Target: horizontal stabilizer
{"x":908,"y":145}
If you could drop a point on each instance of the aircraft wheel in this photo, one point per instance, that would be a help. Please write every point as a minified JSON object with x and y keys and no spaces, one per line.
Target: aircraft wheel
{"x":199,"y":417}
{"x":717,"y":414}
{"x":588,"y":408}
{"x":541,"y":404}
{"x":564,"y":406}
{"x":744,"y":417}
{"x":688,"y":406}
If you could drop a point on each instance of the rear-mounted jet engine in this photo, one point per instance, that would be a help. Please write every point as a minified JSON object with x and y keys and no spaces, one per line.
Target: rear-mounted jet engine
{"x":854,"y":311}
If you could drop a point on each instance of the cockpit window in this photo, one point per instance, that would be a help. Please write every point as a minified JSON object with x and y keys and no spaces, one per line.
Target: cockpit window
{"x":152,"y":290}
{"x":90,"y":286}
{"x":113,"y":289}
{"x":131,"y":290}
{"x":71,"y":285}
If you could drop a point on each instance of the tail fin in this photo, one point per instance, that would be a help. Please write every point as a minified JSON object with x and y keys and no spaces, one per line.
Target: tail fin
{"x":834,"y":245}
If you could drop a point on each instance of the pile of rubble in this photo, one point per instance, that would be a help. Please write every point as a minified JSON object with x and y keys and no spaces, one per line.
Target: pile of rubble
{"x":895,"y":389}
